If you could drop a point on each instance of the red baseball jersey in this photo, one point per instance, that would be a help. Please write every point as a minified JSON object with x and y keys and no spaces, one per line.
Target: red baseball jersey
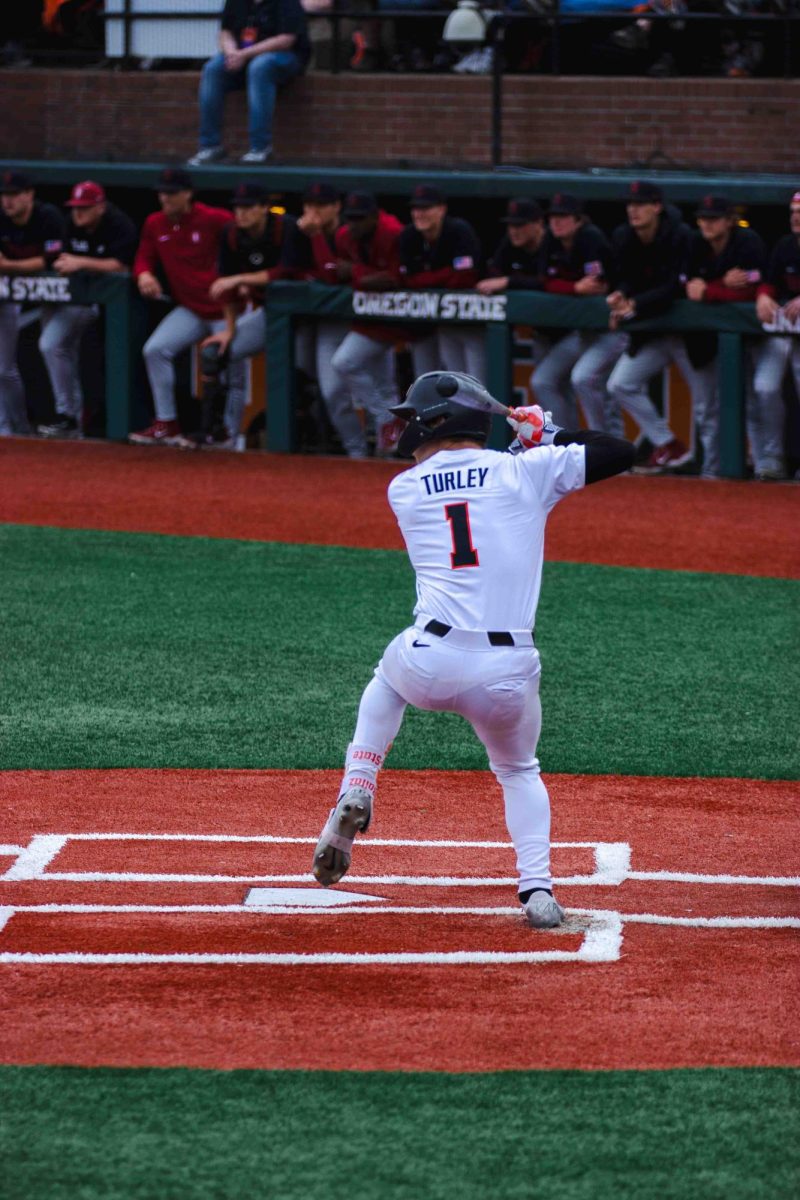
{"x":188,"y":251}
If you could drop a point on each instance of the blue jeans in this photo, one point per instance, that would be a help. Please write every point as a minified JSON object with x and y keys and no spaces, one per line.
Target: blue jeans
{"x":263,"y":76}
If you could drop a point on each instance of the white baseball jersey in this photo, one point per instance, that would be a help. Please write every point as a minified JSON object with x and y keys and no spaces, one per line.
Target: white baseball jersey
{"x":473,"y":522}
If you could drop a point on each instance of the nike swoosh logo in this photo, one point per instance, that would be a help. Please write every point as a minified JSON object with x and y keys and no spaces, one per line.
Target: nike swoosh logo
{"x":416,"y":643}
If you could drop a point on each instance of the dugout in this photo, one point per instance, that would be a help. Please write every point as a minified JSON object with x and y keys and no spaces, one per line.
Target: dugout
{"x":478,"y":195}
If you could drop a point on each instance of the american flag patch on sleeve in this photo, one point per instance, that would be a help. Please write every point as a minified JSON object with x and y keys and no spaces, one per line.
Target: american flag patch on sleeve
{"x":464,"y":263}
{"x":593,"y":268}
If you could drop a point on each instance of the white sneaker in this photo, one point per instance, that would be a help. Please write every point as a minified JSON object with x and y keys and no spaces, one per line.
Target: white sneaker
{"x":542,"y":911}
{"x":256,"y":158}
{"x":206,"y":156}
{"x":350,"y":816}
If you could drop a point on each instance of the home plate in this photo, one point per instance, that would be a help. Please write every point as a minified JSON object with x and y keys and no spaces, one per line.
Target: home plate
{"x":304,"y":897}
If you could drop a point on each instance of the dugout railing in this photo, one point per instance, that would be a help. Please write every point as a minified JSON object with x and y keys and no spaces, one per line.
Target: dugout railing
{"x":126,"y":324}
{"x":287,"y":303}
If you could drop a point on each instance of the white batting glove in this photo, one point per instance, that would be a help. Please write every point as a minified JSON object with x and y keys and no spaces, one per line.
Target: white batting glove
{"x":533,"y":426}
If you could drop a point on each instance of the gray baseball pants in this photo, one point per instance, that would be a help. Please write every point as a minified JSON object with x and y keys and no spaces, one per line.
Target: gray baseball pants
{"x":577,"y":368}
{"x":13,"y":413}
{"x":765,"y":410}
{"x":315,"y":349}
{"x":367,"y":368}
{"x":628,"y":387}
{"x":179,"y":330}
{"x":63,"y":327}
{"x":451,"y":348}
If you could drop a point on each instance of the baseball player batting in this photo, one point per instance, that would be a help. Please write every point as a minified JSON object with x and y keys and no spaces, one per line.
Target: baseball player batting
{"x":473,"y":521}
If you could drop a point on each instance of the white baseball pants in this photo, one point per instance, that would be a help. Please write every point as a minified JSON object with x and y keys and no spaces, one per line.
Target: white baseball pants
{"x":496,"y":689}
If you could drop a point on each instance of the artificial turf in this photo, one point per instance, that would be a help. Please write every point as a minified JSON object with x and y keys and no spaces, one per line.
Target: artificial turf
{"x":133,"y":650}
{"x":172,"y":1134}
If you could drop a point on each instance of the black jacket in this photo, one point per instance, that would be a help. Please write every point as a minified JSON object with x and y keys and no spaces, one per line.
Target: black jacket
{"x":651,"y":273}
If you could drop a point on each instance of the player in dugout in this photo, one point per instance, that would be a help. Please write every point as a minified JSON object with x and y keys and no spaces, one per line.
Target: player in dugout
{"x":370,"y":241}
{"x":313,"y":255}
{"x":99,"y":239}
{"x":253,"y":252}
{"x":31,"y":237}
{"x":438,"y":250}
{"x":727,"y":262}
{"x":777,"y":301}
{"x":578,"y":261}
{"x":181,"y":243}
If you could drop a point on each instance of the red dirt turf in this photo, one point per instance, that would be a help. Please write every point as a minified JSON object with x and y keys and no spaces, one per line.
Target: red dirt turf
{"x":672,"y":523}
{"x":678,"y":996}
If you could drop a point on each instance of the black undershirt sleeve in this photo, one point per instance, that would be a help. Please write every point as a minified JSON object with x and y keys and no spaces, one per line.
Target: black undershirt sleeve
{"x":605,"y":455}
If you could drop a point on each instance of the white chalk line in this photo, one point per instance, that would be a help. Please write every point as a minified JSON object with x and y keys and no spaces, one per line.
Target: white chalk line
{"x":689,"y":877}
{"x":602,"y":942}
{"x":612,"y":859}
{"x":515,"y":910}
{"x":279,"y":840}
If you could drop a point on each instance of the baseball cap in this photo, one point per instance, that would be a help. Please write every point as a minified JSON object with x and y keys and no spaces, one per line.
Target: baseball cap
{"x":642,"y":192}
{"x":360,"y":204}
{"x":522,"y":212}
{"x":426,"y":195}
{"x":174,"y":179}
{"x":85,"y":194}
{"x":565,"y":204}
{"x":321,"y":193}
{"x":15,"y":181}
{"x":245,"y":195}
{"x":714,"y":206}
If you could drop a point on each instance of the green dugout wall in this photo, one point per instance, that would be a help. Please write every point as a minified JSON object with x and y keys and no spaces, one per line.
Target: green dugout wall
{"x":126,"y":324}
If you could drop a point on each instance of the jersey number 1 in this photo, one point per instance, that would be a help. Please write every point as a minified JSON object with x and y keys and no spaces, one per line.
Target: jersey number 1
{"x":464,"y":553}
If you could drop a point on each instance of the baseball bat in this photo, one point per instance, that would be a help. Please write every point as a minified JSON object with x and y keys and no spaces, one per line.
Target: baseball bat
{"x":472,"y":394}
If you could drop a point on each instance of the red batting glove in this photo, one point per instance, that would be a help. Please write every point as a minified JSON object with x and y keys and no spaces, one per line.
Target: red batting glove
{"x":528,"y":424}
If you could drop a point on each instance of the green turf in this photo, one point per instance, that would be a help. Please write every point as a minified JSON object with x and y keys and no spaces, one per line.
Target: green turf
{"x":142,"y":650}
{"x":559,"y":1135}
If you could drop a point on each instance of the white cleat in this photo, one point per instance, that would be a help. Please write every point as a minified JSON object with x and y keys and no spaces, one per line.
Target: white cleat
{"x":350,"y":816}
{"x":542,"y":911}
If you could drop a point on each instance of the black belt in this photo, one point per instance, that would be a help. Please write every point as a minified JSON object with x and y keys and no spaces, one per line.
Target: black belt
{"x":496,"y":637}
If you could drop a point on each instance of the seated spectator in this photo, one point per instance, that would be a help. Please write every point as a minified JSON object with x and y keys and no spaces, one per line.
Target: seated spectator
{"x":182,"y":242}
{"x":31,"y":236}
{"x":254,"y":250}
{"x":365,"y":358}
{"x":726,"y":265}
{"x":578,"y":261}
{"x":99,"y":238}
{"x":651,"y":248}
{"x":263,"y":44}
{"x":777,"y":302}
{"x":440,"y":251}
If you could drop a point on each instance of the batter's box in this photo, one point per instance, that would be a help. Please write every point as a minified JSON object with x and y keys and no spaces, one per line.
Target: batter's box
{"x":355,"y":935}
{"x":221,"y":858}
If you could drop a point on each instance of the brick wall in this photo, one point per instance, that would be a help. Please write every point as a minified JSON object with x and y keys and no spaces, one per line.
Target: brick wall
{"x":560,"y":122}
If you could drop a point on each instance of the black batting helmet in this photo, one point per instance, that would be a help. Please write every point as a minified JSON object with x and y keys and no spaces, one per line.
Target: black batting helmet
{"x":433,"y":412}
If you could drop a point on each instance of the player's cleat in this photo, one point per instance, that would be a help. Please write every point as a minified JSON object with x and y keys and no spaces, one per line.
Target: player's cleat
{"x":160,"y":433}
{"x":61,"y":426}
{"x":663,"y":458}
{"x":206,"y":156}
{"x":215,"y":439}
{"x":542,"y":911}
{"x":256,"y":158}
{"x":350,"y":816}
